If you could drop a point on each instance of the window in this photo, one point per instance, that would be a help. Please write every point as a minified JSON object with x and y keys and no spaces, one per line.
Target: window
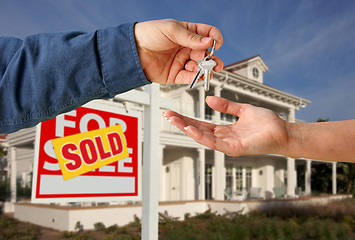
{"x":197,"y":108}
{"x":208,"y":181}
{"x":208,"y":112}
{"x":255,"y":72}
{"x":229,"y":179}
{"x":239,"y":180}
{"x":228,"y":117}
{"x":248,"y":178}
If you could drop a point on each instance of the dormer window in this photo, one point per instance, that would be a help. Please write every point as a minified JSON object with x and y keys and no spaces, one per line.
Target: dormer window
{"x":255,"y":73}
{"x":251,"y":68}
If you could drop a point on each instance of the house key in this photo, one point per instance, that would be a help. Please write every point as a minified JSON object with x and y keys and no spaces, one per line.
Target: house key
{"x":205,"y":66}
{"x":199,"y":74}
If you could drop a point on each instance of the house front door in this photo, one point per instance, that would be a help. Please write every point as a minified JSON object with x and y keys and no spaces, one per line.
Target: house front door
{"x":175,"y":180}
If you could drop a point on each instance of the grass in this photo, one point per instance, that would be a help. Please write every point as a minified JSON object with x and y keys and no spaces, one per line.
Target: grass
{"x":333,"y":221}
{"x":13,"y":229}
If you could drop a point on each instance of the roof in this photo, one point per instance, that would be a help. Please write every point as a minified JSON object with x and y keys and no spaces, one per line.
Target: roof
{"x":2,"y":139}
{"x":249,"y":86}
{"x":241,"y":63}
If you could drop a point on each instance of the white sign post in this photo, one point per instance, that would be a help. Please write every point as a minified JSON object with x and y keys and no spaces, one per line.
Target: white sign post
{"x":151,"y":173}
{"x":151,"y":170}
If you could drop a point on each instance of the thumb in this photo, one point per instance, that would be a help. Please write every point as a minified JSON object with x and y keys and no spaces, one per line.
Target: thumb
{"x":224,"y":105}
{"x":192,"y":40}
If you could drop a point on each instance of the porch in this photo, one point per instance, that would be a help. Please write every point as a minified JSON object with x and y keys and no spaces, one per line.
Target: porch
{"x":191,"y":173}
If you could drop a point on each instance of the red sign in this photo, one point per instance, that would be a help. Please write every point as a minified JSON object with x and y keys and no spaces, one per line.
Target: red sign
{"x":116,"y":180}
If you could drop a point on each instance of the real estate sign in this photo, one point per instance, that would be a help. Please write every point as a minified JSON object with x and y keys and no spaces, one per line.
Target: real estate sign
{"x":118,"y":180}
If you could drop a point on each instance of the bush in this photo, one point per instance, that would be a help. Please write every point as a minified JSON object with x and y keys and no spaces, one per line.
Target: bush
{"x":99,"y":226}
{"x":11,"y":229}
{"x":334,"y":222}
{"x":209,"y":225}
{"x":335,"y":210}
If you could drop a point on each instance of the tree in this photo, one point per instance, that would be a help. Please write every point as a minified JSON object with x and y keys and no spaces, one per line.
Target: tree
{"x":4,"y":182}
{"x":346,"y":178}
{"x":321,"y":176}
{"x":2,"y":151}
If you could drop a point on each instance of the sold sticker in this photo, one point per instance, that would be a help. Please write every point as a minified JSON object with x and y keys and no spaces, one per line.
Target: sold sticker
{"x":81,"y":153}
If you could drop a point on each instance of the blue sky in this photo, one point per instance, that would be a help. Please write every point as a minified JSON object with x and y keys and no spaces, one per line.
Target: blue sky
{"x":309,"y":46}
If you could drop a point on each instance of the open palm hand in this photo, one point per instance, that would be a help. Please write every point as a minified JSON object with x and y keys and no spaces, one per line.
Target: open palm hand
{"x":258,"y":130}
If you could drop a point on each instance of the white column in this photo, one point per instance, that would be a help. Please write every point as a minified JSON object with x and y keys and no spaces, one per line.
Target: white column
{"x":234,"y":184}
{"x":334,"y":176}
{"x":307,"y":176}
{"x":270,"y":179}
{"x":291,"y":183}
{"x":150,"y":197}
{"x":13,"y":177}
{"x":217,"y":116}
{"x":291,"y":169}
{"x":162,"y":187}
{"x":282,"y":176}
{"x":219,"y":176}
{"x":201,"y":102}
{"x":201,"y":161}
{"x":244,"y":177}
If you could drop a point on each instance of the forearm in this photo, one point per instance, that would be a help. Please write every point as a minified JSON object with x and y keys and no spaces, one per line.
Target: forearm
{"x":49,"y":74}
{"x":330,"y":141}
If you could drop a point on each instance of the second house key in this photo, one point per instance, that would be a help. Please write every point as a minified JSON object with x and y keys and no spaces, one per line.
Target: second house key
{"x":199,"y":74}
{"x":206,"y":66}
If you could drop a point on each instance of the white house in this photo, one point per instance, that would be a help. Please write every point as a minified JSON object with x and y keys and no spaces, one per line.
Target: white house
{"x":189,"y":171}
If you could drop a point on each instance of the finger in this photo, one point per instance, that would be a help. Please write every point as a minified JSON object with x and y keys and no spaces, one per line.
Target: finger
{"x":225,"y":146}
{"x":178,"y":64}
{"x":202,"y":133}
{"x":206,"y":30}
{"x":197,"y":54}
{"x":212,"y":141}
{"x":219,"y":66}
{"x":205,"y":126}
{"x":225,"y":106}
{"x":196,"y":133}
{"x":195,"y":35}
{"x":201,"y":137}
{"x":183,"y":77}
{"x":183,"y":68}
{"x":191,"y":66}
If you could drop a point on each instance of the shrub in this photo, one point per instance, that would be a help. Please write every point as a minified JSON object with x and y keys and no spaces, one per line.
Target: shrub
{"x":209,"y":225}
{"x":99,"y":226}
{"x":11,"y":229}
{"x":335,"y":210}
{"x":111,"y":229}
{"x":79,"y":227}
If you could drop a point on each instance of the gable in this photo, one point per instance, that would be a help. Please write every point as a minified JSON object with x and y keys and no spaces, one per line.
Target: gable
{"x":253,"y":68}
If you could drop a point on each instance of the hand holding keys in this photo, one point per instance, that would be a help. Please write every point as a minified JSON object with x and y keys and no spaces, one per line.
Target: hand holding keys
{"x":205,"y":67}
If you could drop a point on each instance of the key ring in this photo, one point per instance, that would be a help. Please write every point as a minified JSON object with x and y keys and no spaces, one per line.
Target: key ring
{"x":213,"y":47}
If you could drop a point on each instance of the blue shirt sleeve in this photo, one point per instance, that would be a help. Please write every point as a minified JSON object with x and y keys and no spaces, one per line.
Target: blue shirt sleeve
{"x":48,"y":74}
